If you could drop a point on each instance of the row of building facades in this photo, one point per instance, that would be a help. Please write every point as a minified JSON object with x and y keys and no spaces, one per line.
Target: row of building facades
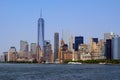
{"x":107,"y":48}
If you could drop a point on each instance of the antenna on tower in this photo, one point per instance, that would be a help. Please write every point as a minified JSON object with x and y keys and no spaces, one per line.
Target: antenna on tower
{"x":62,"y":33}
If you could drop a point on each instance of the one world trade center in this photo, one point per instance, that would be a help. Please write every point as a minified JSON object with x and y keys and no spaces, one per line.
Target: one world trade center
{"x":40,"y":40}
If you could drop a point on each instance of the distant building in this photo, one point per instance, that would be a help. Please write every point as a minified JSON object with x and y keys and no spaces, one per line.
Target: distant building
{"x":74,"y":46}
{"x":41,"y":33}
{"x":108,"y":36}
{"x":39,"y":54}
{"x":5,"y":56}
{"x":12,"y":54}
{"x":24,"y":49}
{"x":56,"y":45}
{"x":68,"y":55}
{"x":108,"y":49}
{"x":85,"y":56}
{"x":83,"y":53}
{"x":93,"y":44}
{"x":33,"y":48}
{"x":64,"y":53}
{"x":78,"y":40}
{"x":116,"y":48}
{"x":33,"y":52}
{"x":71,"y":43}
{"x":40,"y":39}
{"x":96,"y":48}
{"x":48,"y":55}
{"x":101,"y":46}
{"x":95,"y":40}
{"x":2,"y":58}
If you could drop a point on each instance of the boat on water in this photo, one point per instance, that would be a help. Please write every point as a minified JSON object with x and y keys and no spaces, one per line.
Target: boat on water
{"x":102,"y":63}
{"x":74,"y":63}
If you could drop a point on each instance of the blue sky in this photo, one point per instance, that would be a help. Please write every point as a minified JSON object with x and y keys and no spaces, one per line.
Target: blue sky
{"x":89,"y":18}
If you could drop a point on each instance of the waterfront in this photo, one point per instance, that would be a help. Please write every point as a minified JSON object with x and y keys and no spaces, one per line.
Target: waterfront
{"x":59,"y":72}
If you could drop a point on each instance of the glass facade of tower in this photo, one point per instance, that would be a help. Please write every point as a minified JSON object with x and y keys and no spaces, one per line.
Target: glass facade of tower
{"x":78,"y":40}
{"x":41,"y":33}
{"x":56,"y":45}
{"x":33,"y":48}
{"x":95,"y":40}
{"x":24,"y":46}
{"x":108,"y":49}
{"x":115,"y":48}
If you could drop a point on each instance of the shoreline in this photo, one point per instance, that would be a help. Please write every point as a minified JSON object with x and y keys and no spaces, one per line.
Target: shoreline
{"x":69,"y":62}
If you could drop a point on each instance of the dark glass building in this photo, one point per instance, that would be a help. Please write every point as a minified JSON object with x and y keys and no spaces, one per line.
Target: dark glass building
{"x":95,"y":40}
{"x":41,"y":32}
{"x":56,"y":45}
{"x":108,"y":49}
{"x":78,"y":40}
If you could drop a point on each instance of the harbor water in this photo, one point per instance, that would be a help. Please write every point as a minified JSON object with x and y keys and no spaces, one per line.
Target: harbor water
{"x":59,"y":72}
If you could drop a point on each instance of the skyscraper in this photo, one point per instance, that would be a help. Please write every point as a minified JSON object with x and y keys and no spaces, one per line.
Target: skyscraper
{"x":78,"y":40}
{"x":95,"y":40}
{"x":56,"y":45}
{"x":40,"y":38}
{"x":23,"y":46}
{"x":41,"y":32}
{"x":71,"y":43}
{"x":12,"y":54}
{"x":48,"y":56}
{"x":24,"y":49}
{"x":33,"y":48}
{"x":108,"y":49}
{"x":33,"y":52}
{"x":93,"y":44}
{"x":115,"y":48}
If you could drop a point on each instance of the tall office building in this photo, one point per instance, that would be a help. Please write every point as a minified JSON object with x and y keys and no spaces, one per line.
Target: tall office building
{"x":33,"y":48}
{"x":12,"y":54}
{"x":40,"y":39}
{"x":93,"y":44}
{"x":23,"y":46}
{"x":95,"y":40}
{"x":71,"y":43}
{"x":115,"y":48}
{"x":108,"y":49}
{"x":108,"y":44}
{"x":5,"y":56}
{"x":48,"y":55}
{"x":33,"y":52}
{"x":78,"y":40}
{"x":24,"y":49}
{"x":56,"y":45}
{"x":41,"y":32}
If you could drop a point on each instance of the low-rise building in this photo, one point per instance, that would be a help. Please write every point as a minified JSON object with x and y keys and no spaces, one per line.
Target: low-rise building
{"x":85,"y":56}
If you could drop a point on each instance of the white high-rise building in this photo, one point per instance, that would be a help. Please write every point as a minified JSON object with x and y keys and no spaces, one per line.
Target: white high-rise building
{"x":115,"y":48}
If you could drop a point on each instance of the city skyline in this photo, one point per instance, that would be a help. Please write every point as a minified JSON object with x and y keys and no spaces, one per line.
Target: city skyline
{"x":80,"y":18}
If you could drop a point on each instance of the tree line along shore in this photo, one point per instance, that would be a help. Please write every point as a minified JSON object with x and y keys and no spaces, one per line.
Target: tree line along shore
{"x":77,"y":61}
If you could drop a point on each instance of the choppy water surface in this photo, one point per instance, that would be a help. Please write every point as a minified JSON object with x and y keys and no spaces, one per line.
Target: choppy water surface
{"x":59,"y":72}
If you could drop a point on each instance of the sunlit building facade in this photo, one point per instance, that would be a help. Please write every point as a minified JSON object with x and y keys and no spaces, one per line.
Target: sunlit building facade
{"x":115,"y":48}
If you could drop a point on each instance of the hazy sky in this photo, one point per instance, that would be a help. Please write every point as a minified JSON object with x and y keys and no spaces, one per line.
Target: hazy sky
{"x":89,"y":18}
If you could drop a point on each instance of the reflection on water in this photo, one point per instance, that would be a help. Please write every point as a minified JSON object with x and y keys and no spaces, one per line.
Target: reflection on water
{"x":59,"y":72}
